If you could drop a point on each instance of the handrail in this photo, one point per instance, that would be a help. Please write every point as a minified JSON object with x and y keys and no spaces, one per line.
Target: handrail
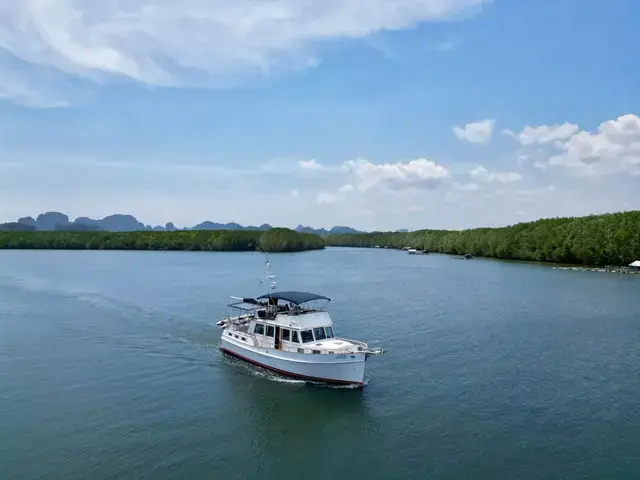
{"x":307,"y":349}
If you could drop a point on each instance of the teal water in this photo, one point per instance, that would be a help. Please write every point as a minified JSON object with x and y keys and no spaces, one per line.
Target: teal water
{"x":109,"y":369}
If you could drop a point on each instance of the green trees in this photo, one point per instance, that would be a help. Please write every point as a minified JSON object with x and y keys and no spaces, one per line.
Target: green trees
{"x":611,"y":239}
{"x":274,"y":240}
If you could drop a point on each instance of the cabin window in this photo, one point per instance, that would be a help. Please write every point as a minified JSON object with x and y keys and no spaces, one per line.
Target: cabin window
{"x":286,"y":334}
{"x":319,"y":333}
{"x":294,"y":337}
{"x":271,"y":331}
{"x":307,"y":336}
{"x":329,"y":332}
{"x":259,"y":329}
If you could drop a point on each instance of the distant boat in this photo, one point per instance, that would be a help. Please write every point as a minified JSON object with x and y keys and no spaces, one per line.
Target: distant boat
{"x":468,"y":256}
{"x":286,"y":333}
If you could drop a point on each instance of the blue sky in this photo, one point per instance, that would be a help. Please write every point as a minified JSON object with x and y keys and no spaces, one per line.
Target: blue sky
{"x":378,"y":114}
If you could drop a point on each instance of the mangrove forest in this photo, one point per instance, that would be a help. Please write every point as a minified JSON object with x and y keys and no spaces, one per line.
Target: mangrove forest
{"x":273,"y":240}
{"x":611,"y":239}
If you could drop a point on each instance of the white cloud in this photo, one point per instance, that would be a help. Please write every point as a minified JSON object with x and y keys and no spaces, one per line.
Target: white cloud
{"x":189,"y":42}
{"x":466,"y":187}
{"x":613,"y":148}
{"x":475,"y":132}
{"x":540,"y":165}
{"x":326,"y":198}
{"x":310,"y":164}
{"x":543,"y":134}
{"x":295,"y":193}
{"x":483,"y":175}
{"x":534,"y":191}
{"x":419,"y":173}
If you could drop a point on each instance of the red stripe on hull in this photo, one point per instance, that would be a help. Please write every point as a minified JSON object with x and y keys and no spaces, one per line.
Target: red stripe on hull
{"x":289,"y":374}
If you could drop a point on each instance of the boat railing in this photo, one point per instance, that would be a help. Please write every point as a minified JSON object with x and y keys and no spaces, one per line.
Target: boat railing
{"x":363,"y":347}
{"x":306,"y":348}
{"x":353,"y":347}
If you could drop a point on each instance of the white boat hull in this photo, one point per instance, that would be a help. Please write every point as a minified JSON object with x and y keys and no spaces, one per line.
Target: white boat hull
{"x":345,"y":369}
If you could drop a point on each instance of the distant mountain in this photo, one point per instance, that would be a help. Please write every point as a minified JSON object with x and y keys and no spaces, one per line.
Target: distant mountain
{"x":216,"y":226}
{"x":121,"y":223}
{"x":49,"y":220}
{"x":129,"y":223}
{"x":228,"y":226}
{"x":27,"y":221}
{"x":16,"y":227}
{"x":323,"y":232}
{"x":77,"y":227}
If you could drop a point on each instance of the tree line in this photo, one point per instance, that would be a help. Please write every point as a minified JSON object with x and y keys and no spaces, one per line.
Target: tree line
{"x":274,"y":240}
{"x":610,"y":239}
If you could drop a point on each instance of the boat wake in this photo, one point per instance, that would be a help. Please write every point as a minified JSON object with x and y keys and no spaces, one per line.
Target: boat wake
{"x":257,"y":371}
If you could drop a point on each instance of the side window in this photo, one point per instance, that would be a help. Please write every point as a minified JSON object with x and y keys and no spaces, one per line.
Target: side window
{"x":306,"y":336}
{"x":329,"y":332}
{"x":259,"y":329}
{"x":294,"y":337}
{"x":271,"y":331}
{"x":319,"y":333}
{"x":286,"y":334}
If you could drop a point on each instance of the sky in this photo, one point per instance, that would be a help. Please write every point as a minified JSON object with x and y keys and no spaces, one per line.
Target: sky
{"x":377,"y":114}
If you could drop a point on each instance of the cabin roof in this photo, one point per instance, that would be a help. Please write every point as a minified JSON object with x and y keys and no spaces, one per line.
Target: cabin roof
{"x":294,"y":297}
{"x":635,"y":264}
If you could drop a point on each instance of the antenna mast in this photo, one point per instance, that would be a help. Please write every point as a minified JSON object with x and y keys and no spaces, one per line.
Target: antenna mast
{"x":268,"y":277}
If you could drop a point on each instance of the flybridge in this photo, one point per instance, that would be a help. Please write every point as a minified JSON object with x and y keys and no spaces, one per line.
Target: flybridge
{"x":297,"y":298}
{"x":271,"y":304}
{"x":294,"y":297}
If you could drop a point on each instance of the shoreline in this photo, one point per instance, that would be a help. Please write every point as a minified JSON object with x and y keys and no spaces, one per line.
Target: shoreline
{"x":272,"y":241}
{"x":593,"y":240}
{"x":618,"y":269}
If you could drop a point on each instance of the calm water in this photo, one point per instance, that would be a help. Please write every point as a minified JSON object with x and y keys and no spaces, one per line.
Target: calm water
{"x":109,"y":370}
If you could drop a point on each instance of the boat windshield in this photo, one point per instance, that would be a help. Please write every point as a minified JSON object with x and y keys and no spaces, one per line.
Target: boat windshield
{"x":329,"y":332}
{"x":306,"y":336}
{"x":319,"y":333}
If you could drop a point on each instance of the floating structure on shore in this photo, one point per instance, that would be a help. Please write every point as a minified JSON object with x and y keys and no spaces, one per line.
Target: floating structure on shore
{"x":630,"y":270}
